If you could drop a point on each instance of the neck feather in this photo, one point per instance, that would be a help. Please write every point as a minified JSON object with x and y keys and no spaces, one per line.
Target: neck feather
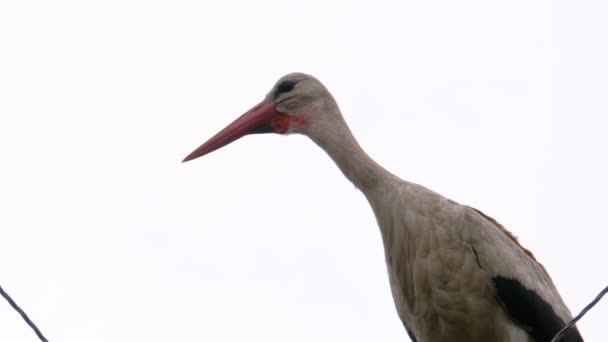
{"x":337,"y":140}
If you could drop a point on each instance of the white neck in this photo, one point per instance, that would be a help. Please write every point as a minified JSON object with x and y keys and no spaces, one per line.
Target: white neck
{"x":340,"y":144}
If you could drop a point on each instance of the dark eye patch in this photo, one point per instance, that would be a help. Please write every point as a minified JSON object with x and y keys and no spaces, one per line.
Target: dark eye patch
{"x":284,"y":87}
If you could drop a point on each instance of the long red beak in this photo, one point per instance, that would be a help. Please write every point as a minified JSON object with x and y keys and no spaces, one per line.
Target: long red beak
{"x":250,"y":122}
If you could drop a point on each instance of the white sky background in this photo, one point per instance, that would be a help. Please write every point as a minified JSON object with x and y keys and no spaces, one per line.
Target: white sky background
{"x":107,"y":237}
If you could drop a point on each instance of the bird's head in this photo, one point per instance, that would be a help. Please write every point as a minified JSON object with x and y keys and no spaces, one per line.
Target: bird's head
{"x":298,"y":103}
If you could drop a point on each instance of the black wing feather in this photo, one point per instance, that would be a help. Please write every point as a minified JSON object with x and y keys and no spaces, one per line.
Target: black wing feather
{"x":409,"y":332}
{"x":529,"y":310}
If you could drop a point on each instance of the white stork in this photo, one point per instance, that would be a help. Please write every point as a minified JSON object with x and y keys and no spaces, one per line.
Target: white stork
{"x":456,"y":275}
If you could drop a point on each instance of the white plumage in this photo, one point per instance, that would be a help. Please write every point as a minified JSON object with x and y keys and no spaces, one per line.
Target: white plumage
{"x":456,"y":274}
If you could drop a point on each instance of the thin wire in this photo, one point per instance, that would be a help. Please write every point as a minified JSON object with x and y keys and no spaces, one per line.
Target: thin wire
{"x":562,"y":332}
{"x":23,"y":315}
{"x":557,"y":337}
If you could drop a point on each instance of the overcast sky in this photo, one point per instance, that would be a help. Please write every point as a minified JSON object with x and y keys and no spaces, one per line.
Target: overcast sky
{"x":106,"y":236}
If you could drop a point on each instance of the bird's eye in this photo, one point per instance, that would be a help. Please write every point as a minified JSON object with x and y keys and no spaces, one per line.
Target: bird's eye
{"x":285,"y":87}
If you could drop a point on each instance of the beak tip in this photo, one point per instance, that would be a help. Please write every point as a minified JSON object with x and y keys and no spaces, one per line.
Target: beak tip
{"x":199,"y":152}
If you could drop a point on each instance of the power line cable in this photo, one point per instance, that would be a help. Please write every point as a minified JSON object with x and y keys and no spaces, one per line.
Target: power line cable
{"x":23,"y":315}
{"x":565,"y":329}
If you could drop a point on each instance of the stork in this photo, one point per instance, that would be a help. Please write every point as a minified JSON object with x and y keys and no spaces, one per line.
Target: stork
{"x":456,"y":274}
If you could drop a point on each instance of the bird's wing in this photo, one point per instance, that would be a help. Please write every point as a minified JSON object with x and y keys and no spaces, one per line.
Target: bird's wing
{"x":522,"y":283}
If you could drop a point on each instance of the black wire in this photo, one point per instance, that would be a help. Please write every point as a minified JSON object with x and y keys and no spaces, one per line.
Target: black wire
{"x":23,"y":315}
{"x":562,"y":332}
{"x":557,"y":337}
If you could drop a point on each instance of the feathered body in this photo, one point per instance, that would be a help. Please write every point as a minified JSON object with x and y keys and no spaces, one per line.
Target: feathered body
{"x":442,"y":259}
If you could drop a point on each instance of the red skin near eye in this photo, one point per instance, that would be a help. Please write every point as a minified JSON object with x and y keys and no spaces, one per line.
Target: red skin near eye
{"x":282,"y":122}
